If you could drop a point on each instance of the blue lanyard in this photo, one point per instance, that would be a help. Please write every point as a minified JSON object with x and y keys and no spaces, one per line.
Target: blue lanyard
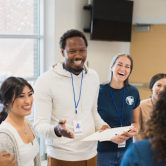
{"x":115,"y":106}
{"x":76,"y":103}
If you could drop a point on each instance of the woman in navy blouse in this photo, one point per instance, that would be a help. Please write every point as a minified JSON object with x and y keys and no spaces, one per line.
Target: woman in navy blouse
{"x":118,"y":106}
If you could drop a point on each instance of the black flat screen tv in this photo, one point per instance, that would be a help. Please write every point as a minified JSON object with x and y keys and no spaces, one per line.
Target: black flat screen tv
{"x":111,"y":20}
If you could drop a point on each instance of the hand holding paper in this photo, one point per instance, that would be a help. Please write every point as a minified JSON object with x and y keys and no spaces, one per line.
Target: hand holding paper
{"x":107,"y":134}
{"x":120,"y":138}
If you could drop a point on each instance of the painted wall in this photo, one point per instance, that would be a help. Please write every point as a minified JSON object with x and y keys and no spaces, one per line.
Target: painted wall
{"x":62,"y":15}
{"x":149,"y":54}
{"x":149,"y":11}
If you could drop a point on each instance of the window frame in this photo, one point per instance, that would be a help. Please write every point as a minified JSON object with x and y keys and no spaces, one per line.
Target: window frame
{"x":39,"y":55}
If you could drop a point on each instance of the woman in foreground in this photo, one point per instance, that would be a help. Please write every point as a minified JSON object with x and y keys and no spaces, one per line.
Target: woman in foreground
{"x":152,"y":150}
{"x":16,"y":133}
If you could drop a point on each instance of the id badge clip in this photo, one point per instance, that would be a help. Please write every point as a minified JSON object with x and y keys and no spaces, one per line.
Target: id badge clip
{"x":77,"y":127}
{"x":122,"y":145}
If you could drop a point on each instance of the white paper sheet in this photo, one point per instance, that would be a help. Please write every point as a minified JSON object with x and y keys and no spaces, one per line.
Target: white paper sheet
{"x":107,"y":134}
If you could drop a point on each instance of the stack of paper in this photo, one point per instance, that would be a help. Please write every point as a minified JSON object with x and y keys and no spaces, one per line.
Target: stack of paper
{"x":107,"y":134}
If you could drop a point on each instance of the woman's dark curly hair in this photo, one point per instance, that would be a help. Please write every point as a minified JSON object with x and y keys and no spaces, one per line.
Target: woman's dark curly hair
{"x":157,"y":128}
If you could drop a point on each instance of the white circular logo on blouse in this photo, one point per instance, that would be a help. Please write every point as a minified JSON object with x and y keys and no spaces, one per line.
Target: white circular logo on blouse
{"x":130,"y":100}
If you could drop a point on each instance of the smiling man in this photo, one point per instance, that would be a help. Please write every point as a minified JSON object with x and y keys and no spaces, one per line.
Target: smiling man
{"x":69,"y":92}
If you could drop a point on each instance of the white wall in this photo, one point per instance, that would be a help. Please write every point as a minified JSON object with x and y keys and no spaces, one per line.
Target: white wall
{"x":149,"y":11}
{"x":62,"y":15}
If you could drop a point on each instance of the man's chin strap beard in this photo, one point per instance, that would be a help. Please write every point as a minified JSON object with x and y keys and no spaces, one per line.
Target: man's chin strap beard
{"x":74,"y":71}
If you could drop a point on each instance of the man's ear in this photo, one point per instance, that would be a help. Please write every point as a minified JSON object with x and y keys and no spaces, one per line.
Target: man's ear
{"x":62,"y":52}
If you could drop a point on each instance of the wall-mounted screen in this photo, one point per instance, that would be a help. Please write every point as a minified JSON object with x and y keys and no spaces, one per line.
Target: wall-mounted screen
{"x":111,"y":20}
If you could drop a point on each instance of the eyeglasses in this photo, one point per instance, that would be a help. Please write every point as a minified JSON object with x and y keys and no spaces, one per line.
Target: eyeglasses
{"x":73,"y":52}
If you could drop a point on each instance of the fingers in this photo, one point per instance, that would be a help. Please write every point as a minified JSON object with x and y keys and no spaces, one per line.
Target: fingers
{"x":13,"y":160}
{"x":7,"y":159}
{"x":4,"y":153}
{"x":62,"y":122}
{"x":130,"y":133}
{"x":67,"y":133}
{"x":119,"y":139}
{"x":125,"y":134}
{"x":104,"y":127}
{"x":63,"y":130}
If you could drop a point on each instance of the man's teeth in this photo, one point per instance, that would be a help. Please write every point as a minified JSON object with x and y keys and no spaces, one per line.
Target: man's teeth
{"x":77,"y":62}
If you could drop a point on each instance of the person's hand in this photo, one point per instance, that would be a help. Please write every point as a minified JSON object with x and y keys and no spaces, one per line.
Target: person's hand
{"x":62,"y":130}
{"x":118,"y":139}
{"x":132,"y":132}
{"x":104,"y":127}
{"x":7,"y":159}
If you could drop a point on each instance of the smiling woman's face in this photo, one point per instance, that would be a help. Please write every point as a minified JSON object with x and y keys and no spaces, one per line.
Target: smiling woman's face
{"x":157,"y":88}
{"x":121,"y":69}
{"x":22,"y":105}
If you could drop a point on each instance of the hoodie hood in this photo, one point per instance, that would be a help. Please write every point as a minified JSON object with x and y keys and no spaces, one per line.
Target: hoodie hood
{"x":59,"y":70}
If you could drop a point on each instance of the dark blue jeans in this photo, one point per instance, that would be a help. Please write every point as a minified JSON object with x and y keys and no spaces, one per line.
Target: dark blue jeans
{"x":109,"y":158}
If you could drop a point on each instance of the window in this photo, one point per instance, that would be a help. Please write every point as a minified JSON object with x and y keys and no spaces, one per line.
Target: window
{"x":20,"y":38}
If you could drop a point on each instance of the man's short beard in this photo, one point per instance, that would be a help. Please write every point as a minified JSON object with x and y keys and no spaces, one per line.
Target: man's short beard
{"x":79,"y":70}
{"x":72,"y":70}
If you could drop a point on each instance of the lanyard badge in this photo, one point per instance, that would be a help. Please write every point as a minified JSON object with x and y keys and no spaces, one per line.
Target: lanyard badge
{"x":122,"y":145}
{"x":77,"y":126}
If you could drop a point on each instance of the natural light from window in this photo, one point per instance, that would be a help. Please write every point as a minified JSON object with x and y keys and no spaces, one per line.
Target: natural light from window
{"x":20,"y":38}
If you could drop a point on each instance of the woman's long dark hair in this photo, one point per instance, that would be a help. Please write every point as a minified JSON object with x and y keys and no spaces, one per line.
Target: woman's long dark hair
{"x":156,"y":129}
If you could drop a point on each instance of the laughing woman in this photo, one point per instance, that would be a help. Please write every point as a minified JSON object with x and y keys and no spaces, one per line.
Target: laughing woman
{"x":156,"y":85}
{"x":16,"y":134}
{"x":118,"y":106}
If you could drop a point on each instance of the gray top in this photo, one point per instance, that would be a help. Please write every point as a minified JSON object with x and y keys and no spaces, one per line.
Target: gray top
{"x":11,"y":146}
